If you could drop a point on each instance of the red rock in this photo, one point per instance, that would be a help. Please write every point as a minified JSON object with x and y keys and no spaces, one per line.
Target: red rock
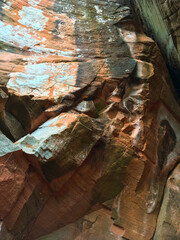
{"x":168,"y":226}
{"x":13,"y":167}
{"x":93,"y":97}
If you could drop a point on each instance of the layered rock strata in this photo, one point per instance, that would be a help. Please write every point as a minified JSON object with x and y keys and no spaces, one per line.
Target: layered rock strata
{"x":90,"y":128}
{"x":168,"y":226}
{"x":162,"y":19}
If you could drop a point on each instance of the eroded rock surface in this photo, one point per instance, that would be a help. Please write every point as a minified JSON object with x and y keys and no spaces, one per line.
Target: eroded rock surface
{"x":162,"y":20}
{"x":168,"y":226}
{"x":90,"y":126}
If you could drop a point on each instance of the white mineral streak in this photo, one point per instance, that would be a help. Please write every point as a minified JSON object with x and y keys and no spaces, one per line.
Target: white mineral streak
{"x":18,"y":36}
{"x":34,"y":2}
{"x":32,"y":17}
{"x":38,"y":79}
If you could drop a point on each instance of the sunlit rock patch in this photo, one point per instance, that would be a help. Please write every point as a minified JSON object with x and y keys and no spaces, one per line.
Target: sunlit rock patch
{"x":90,"y":125}
{"x":50,"y":142}
{"x":32,"y":17}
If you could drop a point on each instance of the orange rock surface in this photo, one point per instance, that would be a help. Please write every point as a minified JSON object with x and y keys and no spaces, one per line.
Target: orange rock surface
{"x":90,"y":127}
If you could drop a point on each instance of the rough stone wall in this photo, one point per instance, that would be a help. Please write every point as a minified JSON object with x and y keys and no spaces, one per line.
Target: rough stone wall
{"x":162,"y":18}
{"x":90,"y":128}
{"x":168,"y":226}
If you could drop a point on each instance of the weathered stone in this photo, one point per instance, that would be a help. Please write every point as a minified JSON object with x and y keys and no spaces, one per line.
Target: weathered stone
{"x":5,"y":235}
{"x":12,"y":174}
{"x":7,"y":146}
{"x":96,"y":225}
{"x":92,"y":93}
{"x":14,"y":126}
{"x":52,"y":144}
{"x":3,"y":99}
{"x":87,"y":107}
{"x":163,"y":25}
{"x":27,"y":111}
{"x":111,"y":181}
{"x":168,"y":220}
{"x":29,"y":204}
{"x":54,"y":80}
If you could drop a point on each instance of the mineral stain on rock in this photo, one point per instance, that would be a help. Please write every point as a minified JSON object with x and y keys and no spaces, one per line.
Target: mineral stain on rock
{"x":32,"y":17}
{"x":167,"y":142}
{"x":89,"y":122}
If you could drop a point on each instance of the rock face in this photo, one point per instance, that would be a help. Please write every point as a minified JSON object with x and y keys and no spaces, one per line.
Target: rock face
{"x":168,"y":226}
{"x":162,"y":20}
{"x":61,"y":144}
{"x":90,"y":128}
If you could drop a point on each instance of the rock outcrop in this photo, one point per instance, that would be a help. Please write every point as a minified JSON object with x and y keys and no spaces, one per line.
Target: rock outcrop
{"x":162,"y":19}
{"x":90,"y":128}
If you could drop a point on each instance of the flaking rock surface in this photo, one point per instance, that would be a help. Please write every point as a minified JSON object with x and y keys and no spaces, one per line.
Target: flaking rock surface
{"x":90,"y":128}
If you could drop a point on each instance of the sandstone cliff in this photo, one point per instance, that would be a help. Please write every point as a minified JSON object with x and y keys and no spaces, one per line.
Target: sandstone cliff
{"x":89,"y":124}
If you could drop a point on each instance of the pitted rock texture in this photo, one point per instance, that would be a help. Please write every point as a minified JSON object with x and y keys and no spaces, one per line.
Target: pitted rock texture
{"x":90,"y":128}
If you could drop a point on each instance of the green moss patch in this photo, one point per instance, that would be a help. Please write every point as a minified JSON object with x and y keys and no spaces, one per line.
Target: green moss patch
{"x":111,"y":183}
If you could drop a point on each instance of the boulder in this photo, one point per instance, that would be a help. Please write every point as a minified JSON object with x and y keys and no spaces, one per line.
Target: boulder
{"x":61,"y":144}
